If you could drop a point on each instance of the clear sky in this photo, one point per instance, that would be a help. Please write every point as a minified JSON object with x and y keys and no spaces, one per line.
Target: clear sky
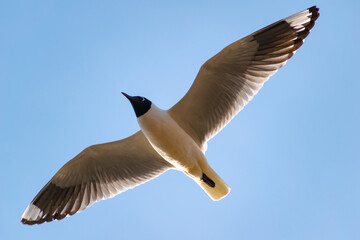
{"x":291,"y":156}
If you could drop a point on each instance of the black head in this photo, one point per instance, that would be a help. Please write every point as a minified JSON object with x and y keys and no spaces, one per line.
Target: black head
{"x":140,"y":104}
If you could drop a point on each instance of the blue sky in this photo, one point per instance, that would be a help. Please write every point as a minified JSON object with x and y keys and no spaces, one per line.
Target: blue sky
{"x":291,"y":156}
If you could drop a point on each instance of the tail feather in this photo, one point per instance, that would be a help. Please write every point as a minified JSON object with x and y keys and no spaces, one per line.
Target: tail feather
{"x":213,"y":185}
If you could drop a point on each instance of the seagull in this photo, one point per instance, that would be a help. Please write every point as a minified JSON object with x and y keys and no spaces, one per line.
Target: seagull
{"x":175,"y":138}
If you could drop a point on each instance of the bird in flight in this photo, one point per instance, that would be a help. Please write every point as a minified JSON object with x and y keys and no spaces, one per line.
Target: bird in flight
{"x":175,"y":138}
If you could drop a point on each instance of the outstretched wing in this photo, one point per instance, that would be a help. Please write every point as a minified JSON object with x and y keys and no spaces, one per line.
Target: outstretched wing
{"x":230,"y":79}
{"x":99,"y":172}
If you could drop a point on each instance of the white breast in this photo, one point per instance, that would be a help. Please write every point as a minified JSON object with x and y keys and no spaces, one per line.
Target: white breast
{"x":169,"y":139}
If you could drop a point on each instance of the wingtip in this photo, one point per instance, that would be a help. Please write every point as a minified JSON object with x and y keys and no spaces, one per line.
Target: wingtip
{"x":26,"y":221}
{"x":32,"y":215}
{"x":315,"y":13}
{"x":313,"y":9}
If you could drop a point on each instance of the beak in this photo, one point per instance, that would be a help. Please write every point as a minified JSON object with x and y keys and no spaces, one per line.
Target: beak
{"x":127,"y":96}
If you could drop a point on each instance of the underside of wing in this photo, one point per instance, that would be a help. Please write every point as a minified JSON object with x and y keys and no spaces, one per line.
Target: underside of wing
{"x":230,"y":79}
{"x":99,"y":172}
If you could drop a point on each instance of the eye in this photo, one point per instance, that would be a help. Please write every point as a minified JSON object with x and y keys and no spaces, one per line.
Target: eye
{"x":143,"y":99}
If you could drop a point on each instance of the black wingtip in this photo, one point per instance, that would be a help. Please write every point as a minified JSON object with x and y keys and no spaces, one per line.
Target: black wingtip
{"x":314,"y":8}
{"x":208,"y":181}
{"x":315,"y":13}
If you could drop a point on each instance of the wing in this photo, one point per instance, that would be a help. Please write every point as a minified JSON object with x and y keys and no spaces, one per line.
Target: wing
{"x":99,"y":172}
{"x":230,"y":79}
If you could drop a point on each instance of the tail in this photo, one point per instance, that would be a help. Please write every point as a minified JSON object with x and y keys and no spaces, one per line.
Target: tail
{"x":213,"y":185}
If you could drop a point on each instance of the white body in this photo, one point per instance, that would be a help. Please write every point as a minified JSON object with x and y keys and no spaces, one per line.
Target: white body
{"x":173,"y":144}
